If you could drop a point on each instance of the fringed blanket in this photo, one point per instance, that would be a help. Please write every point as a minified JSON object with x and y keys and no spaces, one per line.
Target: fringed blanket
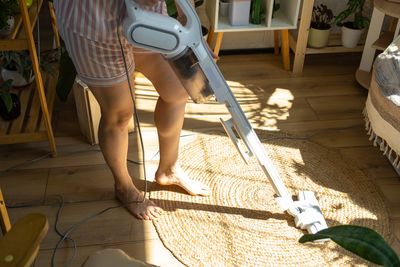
{"x":382,"y":109}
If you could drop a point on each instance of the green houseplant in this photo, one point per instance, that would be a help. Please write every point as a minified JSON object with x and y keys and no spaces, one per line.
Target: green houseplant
{"x":7,"y":13}
{"x":257,"y":13}
{"x":17,"y":65}
{"x":362,"y":241}
{"x":320,"y":26}
{"x":10,"y":106}
{"x":352,"y":29}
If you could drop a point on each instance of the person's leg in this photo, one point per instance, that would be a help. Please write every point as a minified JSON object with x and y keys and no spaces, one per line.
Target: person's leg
{"x":116,"y":111}
{"x":168,"y":117}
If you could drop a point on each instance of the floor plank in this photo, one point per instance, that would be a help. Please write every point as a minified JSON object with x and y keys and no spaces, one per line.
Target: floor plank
{"x":323,"y":102}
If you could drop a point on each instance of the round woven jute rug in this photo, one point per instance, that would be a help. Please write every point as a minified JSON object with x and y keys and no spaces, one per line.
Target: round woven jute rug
{"x":241,"y":224}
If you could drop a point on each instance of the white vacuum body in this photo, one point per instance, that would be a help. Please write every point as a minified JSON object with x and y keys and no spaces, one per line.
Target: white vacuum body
{"x":186,"y":51}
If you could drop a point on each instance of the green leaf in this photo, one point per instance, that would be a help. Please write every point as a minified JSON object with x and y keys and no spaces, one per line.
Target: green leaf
{"x":362,"y":241}
{"x":256,"y":11}
{"x":171,"y":8}
{"x":342,"y":15}
{"x":67,"y":76}
{"x":6,"y":86}
{"x":7,"y":100}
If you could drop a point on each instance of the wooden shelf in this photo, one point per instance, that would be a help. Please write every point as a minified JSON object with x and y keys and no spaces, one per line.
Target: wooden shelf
{"x":16,"y":40}
{"x":298,"y":42}
{"x":334,"y":46}
{"x":29,"y":125}
{"x":383,"y":41}
{"x":37,"y":99}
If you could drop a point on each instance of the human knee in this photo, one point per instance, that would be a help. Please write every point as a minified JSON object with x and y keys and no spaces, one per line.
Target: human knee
{"x":118,"y":118}
{"x":178,"y":96}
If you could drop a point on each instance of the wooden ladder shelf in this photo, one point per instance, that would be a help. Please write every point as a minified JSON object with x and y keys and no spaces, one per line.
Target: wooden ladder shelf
{"x":37,"y":99}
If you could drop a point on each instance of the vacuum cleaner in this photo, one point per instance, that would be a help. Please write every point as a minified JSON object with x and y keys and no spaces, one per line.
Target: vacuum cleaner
{"x":187,"y":52}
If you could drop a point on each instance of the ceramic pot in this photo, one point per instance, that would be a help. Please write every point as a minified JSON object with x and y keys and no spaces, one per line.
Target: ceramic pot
{"x":350,"y":37}
{"x":318,"y":38}
{"x":223,"y":8}
{"x":18,"y":79}
{"x":8,"y":29}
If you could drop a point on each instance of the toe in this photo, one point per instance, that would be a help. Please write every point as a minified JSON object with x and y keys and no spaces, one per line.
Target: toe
{"x":140,"y":217}
{"x":146,"y":217}
{"x":154,"y":214}
{"x":158,"y":210}
{"x":150,"y":215}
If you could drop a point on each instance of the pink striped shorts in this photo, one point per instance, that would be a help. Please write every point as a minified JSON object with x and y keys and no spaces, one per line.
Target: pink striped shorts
{"x":89,"y":30}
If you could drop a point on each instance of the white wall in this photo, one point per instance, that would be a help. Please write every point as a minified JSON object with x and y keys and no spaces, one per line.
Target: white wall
{"x":265,"y":39}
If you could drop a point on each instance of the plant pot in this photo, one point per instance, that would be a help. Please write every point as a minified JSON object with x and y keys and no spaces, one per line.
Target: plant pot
{"x":318,"y":38}
{"x":223,"y":8}
{"x":350,"y":36}
{"x":239,"y":12}
{"x":8,"y":29}
{"x":15,"y":110}
{"x":18,"y":79}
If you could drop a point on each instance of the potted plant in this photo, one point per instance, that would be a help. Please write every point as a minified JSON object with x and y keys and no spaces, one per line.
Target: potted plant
{"x":320,"y":26}
{"x":257,"y":13}
{"x":17,"y":66}
{"x":352,"y":30}
{"x":10,"y":106}
{"x":7,"y":16}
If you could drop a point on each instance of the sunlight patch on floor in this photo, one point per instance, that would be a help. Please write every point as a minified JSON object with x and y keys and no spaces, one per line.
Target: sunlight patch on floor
{"x":262,"y":109}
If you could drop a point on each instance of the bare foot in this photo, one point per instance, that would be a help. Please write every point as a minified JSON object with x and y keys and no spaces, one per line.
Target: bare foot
{"x":145,"y":210}
{"x":179,"y":177}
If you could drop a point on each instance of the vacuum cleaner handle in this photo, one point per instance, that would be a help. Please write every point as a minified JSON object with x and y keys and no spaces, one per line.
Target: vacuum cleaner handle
{"x":162,"y":34}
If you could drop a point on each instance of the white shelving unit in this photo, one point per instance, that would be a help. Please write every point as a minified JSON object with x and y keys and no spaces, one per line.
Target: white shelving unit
{"x":284,"y":19}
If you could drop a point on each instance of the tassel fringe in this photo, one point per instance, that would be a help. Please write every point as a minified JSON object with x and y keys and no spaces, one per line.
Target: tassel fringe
{"x":392,"y":155}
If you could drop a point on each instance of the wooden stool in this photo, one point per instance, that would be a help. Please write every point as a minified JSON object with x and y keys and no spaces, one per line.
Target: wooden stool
{"x":20,"y":243}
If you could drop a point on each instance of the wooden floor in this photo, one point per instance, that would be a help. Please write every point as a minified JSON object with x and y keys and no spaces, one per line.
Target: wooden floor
{"x":324,"y":96}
